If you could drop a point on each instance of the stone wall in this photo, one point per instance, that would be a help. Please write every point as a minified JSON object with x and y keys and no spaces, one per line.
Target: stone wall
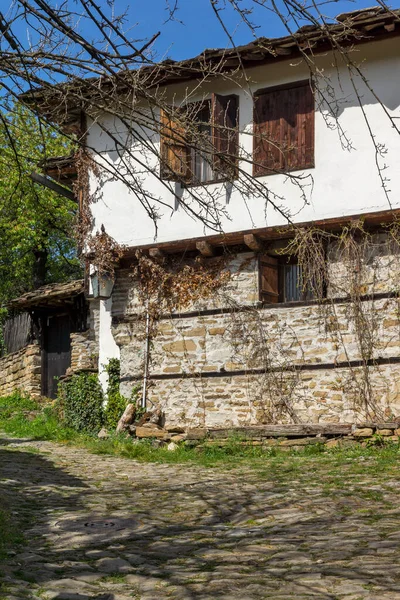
{"x":21,"y":371}
{"x":249,"y":364}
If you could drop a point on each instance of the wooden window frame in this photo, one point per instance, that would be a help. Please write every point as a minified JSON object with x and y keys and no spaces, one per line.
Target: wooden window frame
{"x":260,"y":170}
{"x":279,"y":294}
{"x":220,"y":143}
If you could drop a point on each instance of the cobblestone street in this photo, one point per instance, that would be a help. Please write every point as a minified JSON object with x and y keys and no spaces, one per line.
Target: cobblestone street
{"x":106,"y":528}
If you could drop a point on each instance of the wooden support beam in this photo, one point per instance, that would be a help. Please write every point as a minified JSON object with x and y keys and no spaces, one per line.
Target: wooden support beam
{"x":205,"y":248}
{"x":156,"y":253}
{"x":263,"y":431}
{"x":253,"y":242}
{"x":52,"y":185}
{"x":282,"y":51}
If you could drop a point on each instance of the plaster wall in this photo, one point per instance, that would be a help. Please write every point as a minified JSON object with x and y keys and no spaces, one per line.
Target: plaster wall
{"x":107,"y":344}
{"x":344,"y":181}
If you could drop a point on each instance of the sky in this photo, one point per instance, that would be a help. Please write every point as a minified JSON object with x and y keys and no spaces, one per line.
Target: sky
{"x":197,"y":28}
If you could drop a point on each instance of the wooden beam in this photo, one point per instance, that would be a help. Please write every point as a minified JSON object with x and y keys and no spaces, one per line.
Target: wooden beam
{"x":205,"y":248}
{"x":276,"y":232}
{"x":253,"y":242}
{"x":263,"y":431}
{"x":156,"y":253}
{"x":52,"y":185}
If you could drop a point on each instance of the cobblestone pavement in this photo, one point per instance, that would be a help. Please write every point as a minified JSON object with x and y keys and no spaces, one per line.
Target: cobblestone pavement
{"x":106,"y":528}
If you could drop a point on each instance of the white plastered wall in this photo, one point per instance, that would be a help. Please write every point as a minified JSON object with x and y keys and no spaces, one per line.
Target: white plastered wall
{"x":344,"y":181}
{"x":107,"y":345}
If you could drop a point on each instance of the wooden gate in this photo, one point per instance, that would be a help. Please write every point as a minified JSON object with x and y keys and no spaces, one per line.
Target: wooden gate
{"x":56,"y":352}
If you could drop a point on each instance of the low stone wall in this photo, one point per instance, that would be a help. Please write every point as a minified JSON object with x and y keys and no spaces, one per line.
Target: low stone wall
{"x":21,"y":371}
{"x":317,"y":396}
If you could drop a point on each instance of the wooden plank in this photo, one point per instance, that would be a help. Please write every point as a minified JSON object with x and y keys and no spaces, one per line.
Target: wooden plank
{"x":304,"y":429}
{"x":52,"y":185}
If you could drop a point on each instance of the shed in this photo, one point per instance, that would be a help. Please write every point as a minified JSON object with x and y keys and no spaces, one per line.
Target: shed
{"x":42,"y":322}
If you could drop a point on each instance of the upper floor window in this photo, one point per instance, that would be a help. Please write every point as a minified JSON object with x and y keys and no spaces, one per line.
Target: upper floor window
{"x":283,"y":137}
{"x":199,"y":142}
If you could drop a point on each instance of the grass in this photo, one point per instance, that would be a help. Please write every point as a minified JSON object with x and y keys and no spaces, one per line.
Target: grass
{"x":337,"y":465}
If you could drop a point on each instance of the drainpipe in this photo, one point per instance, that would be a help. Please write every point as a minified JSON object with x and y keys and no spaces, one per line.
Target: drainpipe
{"x":146,"y":357}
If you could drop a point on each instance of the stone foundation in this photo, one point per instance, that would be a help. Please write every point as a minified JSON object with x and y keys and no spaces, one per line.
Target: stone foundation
{"x":21,"y":371}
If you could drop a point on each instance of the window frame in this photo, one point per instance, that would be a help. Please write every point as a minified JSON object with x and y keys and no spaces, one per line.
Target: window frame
{"x":217,"y":138}
{"x":260,"y":170}
{"x":281,"y":262}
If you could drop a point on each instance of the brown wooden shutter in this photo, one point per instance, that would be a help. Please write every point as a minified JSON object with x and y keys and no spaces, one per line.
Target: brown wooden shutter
{"x":174,"y":151}
{"x":269,"y":280}
{"x":225,"y":117}
{"x":283,"y":128}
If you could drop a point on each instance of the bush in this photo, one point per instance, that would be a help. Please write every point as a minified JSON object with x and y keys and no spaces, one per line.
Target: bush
{"x":116,"y":402}
{"x":114,"y":410}
{"x":81,"y":403}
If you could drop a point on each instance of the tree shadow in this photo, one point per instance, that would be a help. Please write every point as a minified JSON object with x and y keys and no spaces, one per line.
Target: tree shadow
{"x":126,"y":527}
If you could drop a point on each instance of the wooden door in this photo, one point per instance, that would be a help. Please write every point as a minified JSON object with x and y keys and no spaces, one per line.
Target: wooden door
{"x":56,"y":352}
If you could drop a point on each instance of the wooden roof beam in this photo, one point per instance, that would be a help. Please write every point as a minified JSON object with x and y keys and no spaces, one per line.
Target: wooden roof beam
{"x":253,"y":242}
{"x":205,"y":248}
{"x":157,"y":254}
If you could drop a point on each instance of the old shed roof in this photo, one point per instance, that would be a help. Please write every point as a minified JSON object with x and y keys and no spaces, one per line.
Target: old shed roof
{"x":51,"y":295}
{"x":64,"y":102}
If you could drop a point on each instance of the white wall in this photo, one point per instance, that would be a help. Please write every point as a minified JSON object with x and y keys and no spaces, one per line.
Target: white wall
{"x":344,"y":181}
{"x":107,"y":346}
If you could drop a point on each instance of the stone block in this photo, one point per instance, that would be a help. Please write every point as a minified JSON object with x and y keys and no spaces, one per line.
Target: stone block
{"x":178,"y":438}
{"x":180,"y":346}
{"x":150,"y":432}
{"x":174,"y":429}
{"x":364,"y":432}
{"x":196,"y":434}
{"x":385,"y":432}
{"x":303,"y":441}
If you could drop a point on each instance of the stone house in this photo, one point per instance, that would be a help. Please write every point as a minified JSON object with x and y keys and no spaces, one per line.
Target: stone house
{"x":298,"y":317}
{"x":47,"y":335}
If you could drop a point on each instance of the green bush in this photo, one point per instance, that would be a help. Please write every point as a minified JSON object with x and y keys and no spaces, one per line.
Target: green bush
{"x":114,"y":410}
{"x":81,"y":403}
{"x":116,"y":402}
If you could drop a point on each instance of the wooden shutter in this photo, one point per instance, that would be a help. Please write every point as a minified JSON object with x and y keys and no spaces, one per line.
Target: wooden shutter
{"x":283,"y":138}
{"x":269,"y":280}
{"x":225,"y":117}
{"x":174,"y":151}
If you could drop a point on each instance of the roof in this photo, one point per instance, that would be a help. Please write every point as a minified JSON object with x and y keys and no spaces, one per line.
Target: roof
{"x":51,"y":295}
{"x":64,"y":102}
{"x":61,"y":169}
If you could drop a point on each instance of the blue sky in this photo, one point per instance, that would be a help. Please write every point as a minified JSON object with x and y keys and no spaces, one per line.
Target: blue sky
{"x":200,"y":28}
{"x":195,"y":26}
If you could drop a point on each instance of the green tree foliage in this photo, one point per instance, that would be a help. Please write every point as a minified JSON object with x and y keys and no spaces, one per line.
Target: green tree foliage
{"x":36,"y":225}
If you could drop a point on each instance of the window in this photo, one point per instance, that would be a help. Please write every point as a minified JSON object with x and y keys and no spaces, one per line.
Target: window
{"x":283,"y":137}
{"x":199,"y":142}
{"x":281,"y":280}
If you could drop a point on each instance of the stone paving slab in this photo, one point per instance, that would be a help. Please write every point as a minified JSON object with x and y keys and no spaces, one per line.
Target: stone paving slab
{"x":107,"y":528}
